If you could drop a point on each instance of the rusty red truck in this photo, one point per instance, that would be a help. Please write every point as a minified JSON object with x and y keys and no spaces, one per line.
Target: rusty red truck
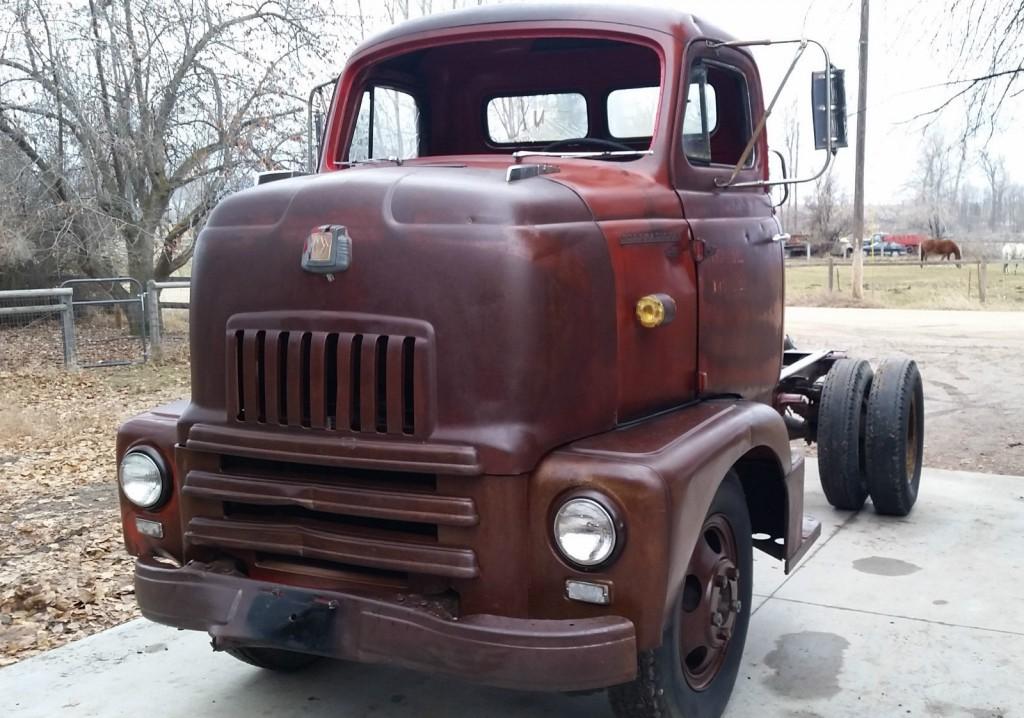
{"x":498,"y":390}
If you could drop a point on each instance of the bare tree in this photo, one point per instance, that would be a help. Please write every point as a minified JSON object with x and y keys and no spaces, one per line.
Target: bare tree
{"x":791,"y":141}
{"x":828,"y":212}
{"x":989,"y":32}
{"x":936,"y":183}
{"x":994,"y":169}
{"x":136,"y":116}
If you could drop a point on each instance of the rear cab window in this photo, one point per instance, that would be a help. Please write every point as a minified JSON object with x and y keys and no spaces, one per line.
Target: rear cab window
{"x":536,"y":118}
{"x":632,"y":111}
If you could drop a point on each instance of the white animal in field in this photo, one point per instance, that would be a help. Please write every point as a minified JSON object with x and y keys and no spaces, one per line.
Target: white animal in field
{"x":1012,"y":252}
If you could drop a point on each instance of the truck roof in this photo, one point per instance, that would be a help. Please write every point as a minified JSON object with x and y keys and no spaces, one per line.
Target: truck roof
{"x":659,"y":19}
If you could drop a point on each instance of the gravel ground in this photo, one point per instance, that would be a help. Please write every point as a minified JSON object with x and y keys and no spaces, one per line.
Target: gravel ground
{"x":972,"y":367}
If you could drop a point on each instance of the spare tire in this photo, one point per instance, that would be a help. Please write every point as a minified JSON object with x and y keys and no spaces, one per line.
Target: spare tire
{"x":841,"y":433}
{"x":894,"y":437}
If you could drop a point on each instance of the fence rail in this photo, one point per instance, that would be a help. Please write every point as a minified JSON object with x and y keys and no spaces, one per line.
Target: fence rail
{"x":14,"y":307}
{"x":974,"y":282}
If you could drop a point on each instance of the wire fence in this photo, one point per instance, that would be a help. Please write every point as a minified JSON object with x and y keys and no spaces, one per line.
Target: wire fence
{"x":36,"y":329}
{"x":906,"y":282}
{"x":90,"y":323}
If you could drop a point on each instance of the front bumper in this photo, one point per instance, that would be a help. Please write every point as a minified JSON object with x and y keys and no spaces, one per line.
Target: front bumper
{"x":555,"y":655}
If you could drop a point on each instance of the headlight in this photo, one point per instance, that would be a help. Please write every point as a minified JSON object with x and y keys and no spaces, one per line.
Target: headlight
{"x":585,"y":532}
{"x":142,"y":479}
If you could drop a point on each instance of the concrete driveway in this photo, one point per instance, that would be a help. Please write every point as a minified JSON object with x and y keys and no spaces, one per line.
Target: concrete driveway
{"x":916,"y":617}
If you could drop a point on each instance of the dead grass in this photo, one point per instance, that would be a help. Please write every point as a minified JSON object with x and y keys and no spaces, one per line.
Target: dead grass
{"x":905,"y":285}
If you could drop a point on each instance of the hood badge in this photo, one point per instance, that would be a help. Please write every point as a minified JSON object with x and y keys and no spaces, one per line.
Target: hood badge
{"x":328,"y":249}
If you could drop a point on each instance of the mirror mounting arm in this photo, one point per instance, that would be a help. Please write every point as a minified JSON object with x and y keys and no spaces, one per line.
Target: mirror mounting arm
{"x":802,"y":43}
{"x":313,"y":138}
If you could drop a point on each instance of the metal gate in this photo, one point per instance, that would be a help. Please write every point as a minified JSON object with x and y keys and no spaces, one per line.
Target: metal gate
{"x":110,"y":331}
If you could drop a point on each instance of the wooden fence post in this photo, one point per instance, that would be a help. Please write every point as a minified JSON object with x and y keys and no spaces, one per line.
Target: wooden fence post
{"x":831,"y":273}
{"x":982,"y":280}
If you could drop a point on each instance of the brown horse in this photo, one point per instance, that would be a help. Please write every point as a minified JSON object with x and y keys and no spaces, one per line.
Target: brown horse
{"x":944,"y":248}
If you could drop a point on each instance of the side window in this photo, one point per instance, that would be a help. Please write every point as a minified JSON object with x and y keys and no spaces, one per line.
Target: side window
{"x":387,"y":126}
{"x":716,"y":122}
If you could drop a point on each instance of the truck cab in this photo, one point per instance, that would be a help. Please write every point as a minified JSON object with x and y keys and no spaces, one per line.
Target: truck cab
{"x":498,"y":390}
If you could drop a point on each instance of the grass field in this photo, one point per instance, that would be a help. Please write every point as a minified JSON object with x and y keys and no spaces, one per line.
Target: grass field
{"x":906,"y":285}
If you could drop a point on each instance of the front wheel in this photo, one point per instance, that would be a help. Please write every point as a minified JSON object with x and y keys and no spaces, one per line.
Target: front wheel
{"x":692,"y":673}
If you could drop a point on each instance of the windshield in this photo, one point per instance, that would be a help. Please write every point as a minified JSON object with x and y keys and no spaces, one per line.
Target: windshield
{"x":564,"y":95}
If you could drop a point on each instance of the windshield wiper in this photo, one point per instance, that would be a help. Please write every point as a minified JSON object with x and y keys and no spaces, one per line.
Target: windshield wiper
{"x":372,"y":160}
{"x":519,"y":154}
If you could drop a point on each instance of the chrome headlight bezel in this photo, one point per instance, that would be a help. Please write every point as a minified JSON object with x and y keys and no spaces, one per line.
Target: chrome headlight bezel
{"x":146,"y":459}
{"x":601,"y":510}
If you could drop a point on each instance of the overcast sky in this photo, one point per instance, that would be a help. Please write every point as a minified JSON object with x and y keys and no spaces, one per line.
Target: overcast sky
{"x":903,"y":70}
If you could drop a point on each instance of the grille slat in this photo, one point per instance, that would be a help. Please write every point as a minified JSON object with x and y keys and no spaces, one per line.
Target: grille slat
{"x":316,"y":383}
{"x":395,"y":412}
{"x":328,"y":381}
{"x":271,"y":356}
{"x":294,"y":374}
{"x":368,"y":384}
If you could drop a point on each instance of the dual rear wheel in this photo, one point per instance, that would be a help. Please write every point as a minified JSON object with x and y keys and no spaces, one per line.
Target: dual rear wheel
{"x":870,"y":435}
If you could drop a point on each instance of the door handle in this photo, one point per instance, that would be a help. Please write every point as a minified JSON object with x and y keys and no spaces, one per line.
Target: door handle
{"x":781,"y":237}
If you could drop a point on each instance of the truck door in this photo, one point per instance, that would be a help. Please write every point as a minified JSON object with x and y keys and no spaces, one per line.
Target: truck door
{"x":739,"y":265}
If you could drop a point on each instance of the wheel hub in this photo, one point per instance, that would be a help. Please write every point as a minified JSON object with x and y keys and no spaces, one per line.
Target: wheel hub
{"x":724,"y":603}
{"x":711,"y":604}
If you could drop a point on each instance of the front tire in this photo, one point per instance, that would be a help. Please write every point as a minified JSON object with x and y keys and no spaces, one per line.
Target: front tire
{"x":273,"y":659}
{"x":691,"y":675}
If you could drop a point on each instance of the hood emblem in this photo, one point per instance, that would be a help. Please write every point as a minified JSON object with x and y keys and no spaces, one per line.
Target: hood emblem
{"x":328,"y":249}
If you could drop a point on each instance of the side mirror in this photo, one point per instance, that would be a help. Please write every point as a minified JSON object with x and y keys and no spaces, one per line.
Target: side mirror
{"x":829,"y":112}
{"x":777,"y":172}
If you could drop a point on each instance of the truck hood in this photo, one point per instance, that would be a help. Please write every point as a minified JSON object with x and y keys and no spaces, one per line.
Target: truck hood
{"x":503,"y":292}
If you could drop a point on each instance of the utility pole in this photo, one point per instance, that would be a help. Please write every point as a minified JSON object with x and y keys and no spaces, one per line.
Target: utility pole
{"x":857,"y":281}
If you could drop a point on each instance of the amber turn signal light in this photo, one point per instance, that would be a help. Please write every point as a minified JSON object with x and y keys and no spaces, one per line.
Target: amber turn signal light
{"x":654,"y":310}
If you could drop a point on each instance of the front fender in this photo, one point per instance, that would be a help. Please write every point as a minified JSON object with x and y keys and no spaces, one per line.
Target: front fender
{"x":663,"y":474}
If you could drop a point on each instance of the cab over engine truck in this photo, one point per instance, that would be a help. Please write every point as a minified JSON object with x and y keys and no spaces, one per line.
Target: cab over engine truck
{"x":498,"y":390}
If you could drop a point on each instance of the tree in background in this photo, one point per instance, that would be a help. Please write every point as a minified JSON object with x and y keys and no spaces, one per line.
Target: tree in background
{"x":828,"y":212}
{"x":132,"y":118}
{"x":994,"y":169}
{"x":991,"y":31}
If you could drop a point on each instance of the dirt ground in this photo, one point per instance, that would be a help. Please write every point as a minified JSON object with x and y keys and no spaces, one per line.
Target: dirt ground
{"x":973,"y":369}
{"x":63,"y":570}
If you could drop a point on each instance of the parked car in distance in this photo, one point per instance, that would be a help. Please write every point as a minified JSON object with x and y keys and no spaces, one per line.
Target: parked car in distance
{"x":881,"y":248}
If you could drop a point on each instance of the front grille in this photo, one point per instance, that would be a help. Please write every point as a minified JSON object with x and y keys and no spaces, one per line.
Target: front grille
{"x":346,"y":518}
{"x":336,"y":381}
